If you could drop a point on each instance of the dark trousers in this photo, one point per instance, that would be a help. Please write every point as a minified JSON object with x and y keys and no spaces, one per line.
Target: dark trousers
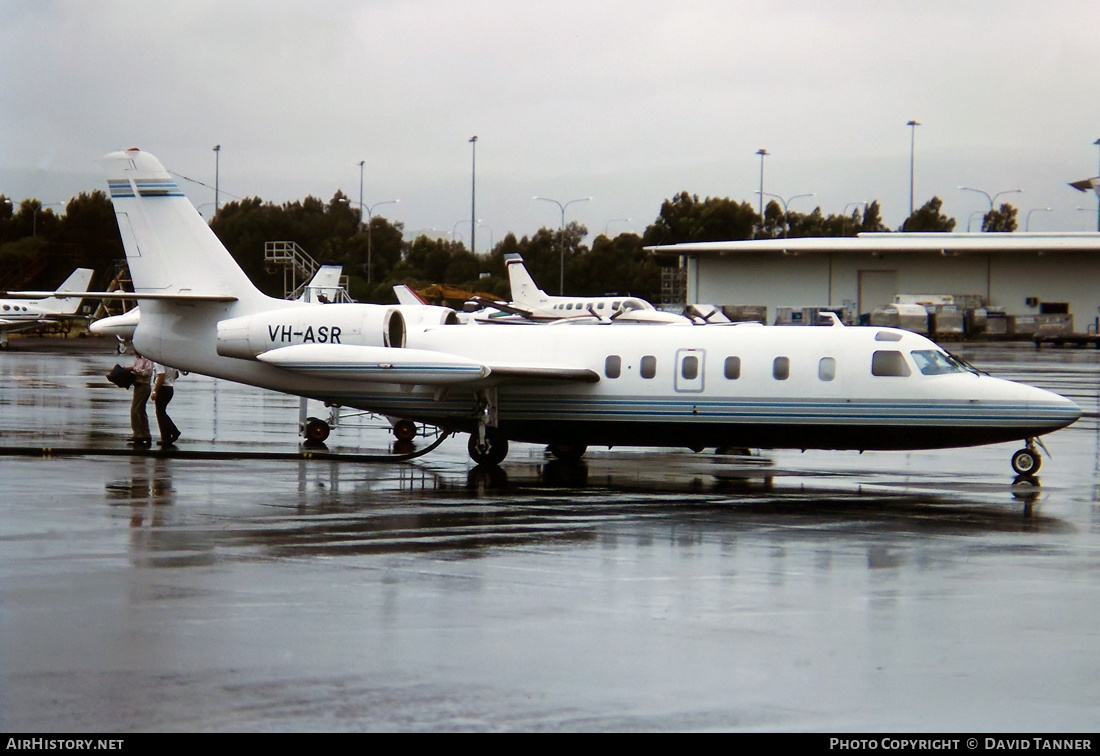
{"x":168,"y":430}
{"x":139,"y":421}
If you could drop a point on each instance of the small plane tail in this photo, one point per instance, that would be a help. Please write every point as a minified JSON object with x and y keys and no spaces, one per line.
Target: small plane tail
{"x":524,"y":289}
{"x":324,"y":287}
{"x":169,"y":247}
{"x":77,"y":281}
{"x":406,"y":295}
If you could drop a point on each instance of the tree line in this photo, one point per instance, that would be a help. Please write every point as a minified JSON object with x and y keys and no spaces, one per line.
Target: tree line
{"x":39,"y":247}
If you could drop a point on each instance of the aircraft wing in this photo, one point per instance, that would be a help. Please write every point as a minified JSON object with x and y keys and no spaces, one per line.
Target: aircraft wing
{"x":542,"y":373}
{"x":509,"y":307}
{"x":374,"y":364}
{"x":10,"y":325}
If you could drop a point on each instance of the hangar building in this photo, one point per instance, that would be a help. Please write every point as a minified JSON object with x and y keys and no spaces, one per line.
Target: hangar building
{"x":1016,"y":275}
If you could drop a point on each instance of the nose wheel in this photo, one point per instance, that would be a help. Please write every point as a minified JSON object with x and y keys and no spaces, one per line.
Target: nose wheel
{"x":1027,"y":461}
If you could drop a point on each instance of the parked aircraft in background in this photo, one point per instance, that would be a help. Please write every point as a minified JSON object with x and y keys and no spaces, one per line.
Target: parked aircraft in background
{"x":531,"y":304}
{"x":528,"y":298}
{"x":568,"y":385}
{"x":50,"y":307}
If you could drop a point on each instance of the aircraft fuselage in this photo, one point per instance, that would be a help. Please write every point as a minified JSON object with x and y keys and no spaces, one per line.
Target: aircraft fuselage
{"x":739,"y":385}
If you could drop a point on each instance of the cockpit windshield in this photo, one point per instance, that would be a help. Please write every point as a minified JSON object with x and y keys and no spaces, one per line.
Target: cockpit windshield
{"x":935,"y":362}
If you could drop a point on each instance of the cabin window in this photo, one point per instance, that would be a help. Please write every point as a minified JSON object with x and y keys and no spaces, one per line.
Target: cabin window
{"x":689,"y":368}
{"x":733,"y":368}
{"x":891,"y":364}
{"x":599,"y":305}
{"x":826,"y":369}
{"x":613,"y":366}
{"x":615,"y":305}
{"x":781,"y":368}
{"x":649,"y":366}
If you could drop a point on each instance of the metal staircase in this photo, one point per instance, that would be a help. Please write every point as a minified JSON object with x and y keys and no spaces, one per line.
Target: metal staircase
{"x":298,"y":270}
{"x":298,"y":267}
{"x":119,"y":274}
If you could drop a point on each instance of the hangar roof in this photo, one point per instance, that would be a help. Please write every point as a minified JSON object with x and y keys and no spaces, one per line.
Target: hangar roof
{"x":897,"y":243}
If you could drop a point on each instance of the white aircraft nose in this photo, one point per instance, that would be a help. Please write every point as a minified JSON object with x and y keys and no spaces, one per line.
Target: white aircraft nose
{"x":1050,"y":411}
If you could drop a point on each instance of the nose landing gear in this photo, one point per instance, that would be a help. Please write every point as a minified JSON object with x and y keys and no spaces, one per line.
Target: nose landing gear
{"x":1027,"y":461}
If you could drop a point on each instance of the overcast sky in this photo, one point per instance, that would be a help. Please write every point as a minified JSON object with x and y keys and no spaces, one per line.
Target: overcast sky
{"x":626,"y":102}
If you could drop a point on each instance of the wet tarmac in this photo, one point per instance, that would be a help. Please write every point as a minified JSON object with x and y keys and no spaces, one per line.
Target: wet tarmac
{"x":239,"y":584}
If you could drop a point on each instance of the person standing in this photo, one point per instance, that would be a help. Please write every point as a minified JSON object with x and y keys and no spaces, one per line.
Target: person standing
{"x":142,"y":370}
{"x":163,"y":390}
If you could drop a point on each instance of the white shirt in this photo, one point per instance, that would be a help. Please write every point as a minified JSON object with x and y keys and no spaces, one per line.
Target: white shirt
{"x":169,"y":374}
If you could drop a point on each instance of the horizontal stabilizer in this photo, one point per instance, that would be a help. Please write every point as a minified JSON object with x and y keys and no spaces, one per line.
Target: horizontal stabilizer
{"x":1088,"y":184}
{"x":127,"y":295}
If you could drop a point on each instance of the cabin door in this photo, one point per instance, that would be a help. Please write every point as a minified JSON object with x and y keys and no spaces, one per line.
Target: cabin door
{"x":689,"y":369}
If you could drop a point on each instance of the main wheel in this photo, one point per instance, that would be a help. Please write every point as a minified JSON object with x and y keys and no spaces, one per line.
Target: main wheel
{"x":492,"y":452}
{"x":404,"y":430}
{"x":568,"y":452}
{"x":1026,"y":462}
{"x":316,"y":430}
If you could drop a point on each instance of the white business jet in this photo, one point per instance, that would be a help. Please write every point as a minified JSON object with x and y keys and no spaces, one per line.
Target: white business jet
{"x":568,"y":386}
{"x":51,"y":307}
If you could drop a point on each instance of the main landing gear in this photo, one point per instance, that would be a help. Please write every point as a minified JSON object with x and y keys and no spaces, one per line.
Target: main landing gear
{"x":1027,"y":461}
{"x":316,"y":431}
{"x":568,"y":452}
{"x":487,"y":446}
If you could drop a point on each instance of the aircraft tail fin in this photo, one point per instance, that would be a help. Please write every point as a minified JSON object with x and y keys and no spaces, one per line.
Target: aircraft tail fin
{"x":407,"y":295}
{"x":324,"y":286}
{"x":524,"y":289}
{"x":169,"y":247}
{"x":78,"y":280}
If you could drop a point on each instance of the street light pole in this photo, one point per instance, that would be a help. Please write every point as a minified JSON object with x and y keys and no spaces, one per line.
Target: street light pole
{"x":912,"y":152}
{"x":561,"y":286}
{"x":785,"y":203}
{"x":370,"y":218}
{"x":762,"y":152}
{"x":1027,"y":221}
{"x":1097,"y":143}
{"x":34,"y":219}
{"x":217,"y":173}
{"x":473,"y":191}
{"x":361,"y":164}
{"x":992,"y":198}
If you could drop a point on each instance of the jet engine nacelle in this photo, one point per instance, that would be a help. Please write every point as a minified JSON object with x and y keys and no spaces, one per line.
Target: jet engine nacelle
{"x":350,"y":324}
{"x":427,"y":315}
